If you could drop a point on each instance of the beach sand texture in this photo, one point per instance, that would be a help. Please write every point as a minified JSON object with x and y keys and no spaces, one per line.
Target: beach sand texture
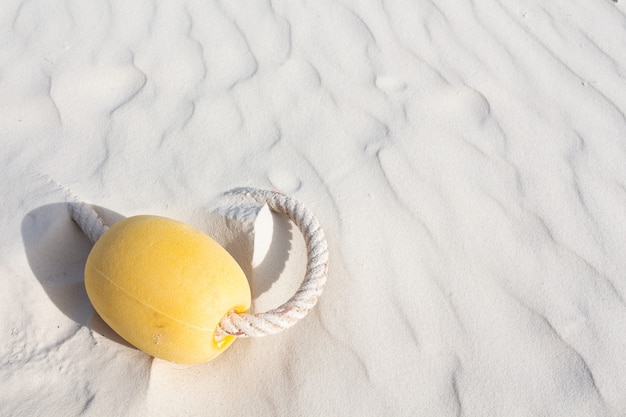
{"x":467,"y":161}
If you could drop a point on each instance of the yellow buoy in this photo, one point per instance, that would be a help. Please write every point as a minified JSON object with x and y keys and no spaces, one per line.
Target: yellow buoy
{"x":164,"y":287}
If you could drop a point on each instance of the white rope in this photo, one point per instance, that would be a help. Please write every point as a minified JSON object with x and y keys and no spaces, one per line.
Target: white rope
{"x":258,"y":324}
{"x":82,"y":213}
{"x":305,"y":298}
{"x":87,"y":219}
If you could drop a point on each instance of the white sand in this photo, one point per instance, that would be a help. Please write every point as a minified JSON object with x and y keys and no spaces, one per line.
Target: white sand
{"x":467,"y":160}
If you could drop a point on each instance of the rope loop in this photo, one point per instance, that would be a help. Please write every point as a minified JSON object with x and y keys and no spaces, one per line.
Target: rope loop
{"x":305,"y":298}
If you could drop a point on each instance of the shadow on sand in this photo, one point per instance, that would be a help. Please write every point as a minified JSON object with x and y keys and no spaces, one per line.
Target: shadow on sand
{"x":57,"y":250}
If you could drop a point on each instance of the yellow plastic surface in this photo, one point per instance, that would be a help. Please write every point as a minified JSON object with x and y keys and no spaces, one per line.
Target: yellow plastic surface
{"x":164,"y":286}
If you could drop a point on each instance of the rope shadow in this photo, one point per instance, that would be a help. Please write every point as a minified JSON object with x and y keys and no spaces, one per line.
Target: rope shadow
{"x":272,"y":266}
{"x":238,"y":240}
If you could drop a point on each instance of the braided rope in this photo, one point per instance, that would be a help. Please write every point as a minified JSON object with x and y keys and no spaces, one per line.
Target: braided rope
{"x":257,"y":324}
{"x":87,"y":219}
{"x":305,"y":298}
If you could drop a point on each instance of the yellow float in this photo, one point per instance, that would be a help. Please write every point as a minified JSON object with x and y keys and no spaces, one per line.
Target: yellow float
{"x":164,"y":287}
